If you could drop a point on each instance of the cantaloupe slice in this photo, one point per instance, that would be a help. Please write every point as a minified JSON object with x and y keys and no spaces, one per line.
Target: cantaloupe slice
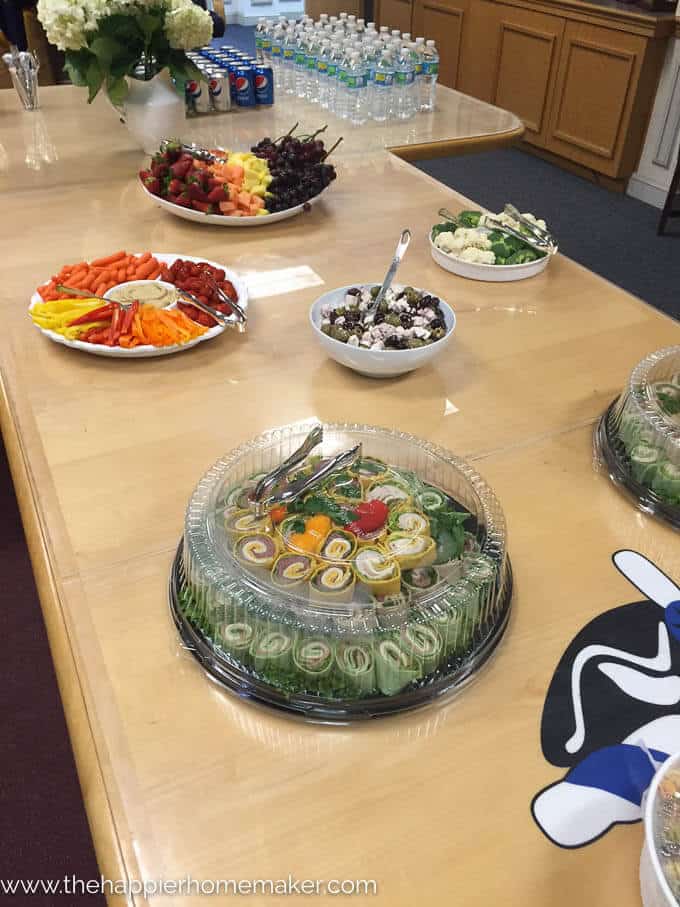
{"x":227,"y":207}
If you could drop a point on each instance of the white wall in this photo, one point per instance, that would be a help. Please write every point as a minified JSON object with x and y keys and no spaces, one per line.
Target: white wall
{"x":247,"y":12}
{"x":660,"y":154}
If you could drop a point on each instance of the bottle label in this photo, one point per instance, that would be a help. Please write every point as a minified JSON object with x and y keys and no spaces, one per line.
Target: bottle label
{"x":364,"y":80}
{"x":430,"y":68}
{"x":258,"y":40}
{"x":310,"y":62}
{"x":288,"y":54}
{"x":276,"y":50}
{"x":353,"y":81}
{"x":300,"y":58}
{"x":332,"y":70}
{"x":419,"y":69}
{"x":266,"y":44}
{"x":321,"y":66}
{"x":383,"y":79}
{"x":342,"y":75}
{"x":403,"y":78}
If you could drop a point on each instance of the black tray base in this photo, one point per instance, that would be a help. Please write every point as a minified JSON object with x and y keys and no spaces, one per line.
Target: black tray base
{"x":331,"y":711}
{"x":613,"y":454}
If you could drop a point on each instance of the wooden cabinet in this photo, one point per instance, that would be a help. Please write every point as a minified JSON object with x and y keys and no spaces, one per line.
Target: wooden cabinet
{"x":526,"y":63}
{"x":444,"y":22}
{"x":582,"y":76}
{"x":394,"y":14}
{"x":595,"y":91}
{"x":314,"y":8}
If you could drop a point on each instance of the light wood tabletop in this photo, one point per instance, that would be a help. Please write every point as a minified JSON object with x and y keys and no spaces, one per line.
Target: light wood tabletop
{"x":179,"y":778}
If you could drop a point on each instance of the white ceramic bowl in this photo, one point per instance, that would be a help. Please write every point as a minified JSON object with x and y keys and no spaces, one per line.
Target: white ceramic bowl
{"x":377,"y":363}
{"x":494,"y":273}
{"x":653,"y":885}
{"x":111,"y":294}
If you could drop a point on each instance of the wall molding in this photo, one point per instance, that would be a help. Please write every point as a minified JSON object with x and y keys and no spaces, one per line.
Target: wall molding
{"x":663,"y":156}
{"x":647,"y":192}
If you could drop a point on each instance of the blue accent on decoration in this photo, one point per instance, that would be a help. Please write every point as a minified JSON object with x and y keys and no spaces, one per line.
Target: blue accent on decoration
{"x":672,"y":618}
{"x":622,"y":769}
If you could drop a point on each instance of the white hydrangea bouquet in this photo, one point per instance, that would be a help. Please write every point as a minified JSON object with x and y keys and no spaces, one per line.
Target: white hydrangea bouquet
{"x":107,"y":40}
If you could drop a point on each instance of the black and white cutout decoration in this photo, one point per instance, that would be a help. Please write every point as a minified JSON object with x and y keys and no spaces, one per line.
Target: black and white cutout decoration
{"x":612,"y":711}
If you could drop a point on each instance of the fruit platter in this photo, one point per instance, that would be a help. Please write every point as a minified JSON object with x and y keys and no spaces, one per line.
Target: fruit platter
{"x":275,"y":180}
{"x":638,"y":438}
{"x":493,"y":247}
{"x":341,"y":572}
{"x":129,"y":305}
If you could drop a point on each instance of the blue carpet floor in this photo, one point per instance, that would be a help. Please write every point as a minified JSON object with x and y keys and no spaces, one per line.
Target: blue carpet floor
{"x":611,"y":234}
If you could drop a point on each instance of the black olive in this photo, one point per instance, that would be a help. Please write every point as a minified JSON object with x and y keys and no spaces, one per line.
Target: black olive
{"x":436,"y":323}
{"x":406,"y":320}
{"x":379,"y":318}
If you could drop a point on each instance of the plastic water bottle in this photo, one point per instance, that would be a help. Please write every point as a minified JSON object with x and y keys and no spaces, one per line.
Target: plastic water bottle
{"x":334,"y":60}
{"x":260,"y":30}
{"x":357,"y":90}
{"x":288,"y":62}
{"x":341,"y":96}
{"x":301,"y":64}
{"x":428,"y":84}
{"x":383,"y":82}
{"x":395,"y":33}
{"x":311,"y":58}
{"x":278,"y":37}
{"x":404,"y":76}
{"x":322,"y":61}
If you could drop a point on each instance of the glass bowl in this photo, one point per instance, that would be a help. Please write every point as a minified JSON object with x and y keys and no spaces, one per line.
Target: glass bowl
{"x":381,"y":589}
{"x":638,"y":438}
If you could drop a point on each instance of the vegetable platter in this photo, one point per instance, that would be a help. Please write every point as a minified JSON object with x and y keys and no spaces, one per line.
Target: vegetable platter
{"x":134,"y":329}
{"x":470,"y":247}
{"x":369,"y":591}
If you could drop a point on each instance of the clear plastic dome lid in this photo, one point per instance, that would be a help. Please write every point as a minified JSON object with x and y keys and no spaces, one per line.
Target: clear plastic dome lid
{"x":383,"y":572}
{"x":640,"y":434}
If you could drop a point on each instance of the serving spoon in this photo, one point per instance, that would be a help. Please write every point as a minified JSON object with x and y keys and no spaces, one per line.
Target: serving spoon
{"x":399,"y":253}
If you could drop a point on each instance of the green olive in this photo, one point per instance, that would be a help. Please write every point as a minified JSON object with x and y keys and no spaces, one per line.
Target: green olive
{"x":394,"y":320}
{"x":374,"y":292}
{"x":339,"y":333}
{"x":438,"y":333}
{"x":415,"y":342}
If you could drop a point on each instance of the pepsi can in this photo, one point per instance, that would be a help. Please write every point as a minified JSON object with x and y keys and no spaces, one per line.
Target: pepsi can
{"x":264,"y":86}
{"x":200,"y":95}
{"x":245,"y":85}
{"x":192,"y":90}
{"x":220,"y":95}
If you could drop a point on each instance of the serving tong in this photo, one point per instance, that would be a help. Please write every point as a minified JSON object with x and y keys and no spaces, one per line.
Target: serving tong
{"x":264,"y":497}
{"x":197,"y":151}
{"x":536,"y":237}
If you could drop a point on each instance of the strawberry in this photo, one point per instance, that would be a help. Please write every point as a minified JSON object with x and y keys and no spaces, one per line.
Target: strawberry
{"x":173,"y":150}
{"x":183,"y":200}
{"x":205,"y":207}
{"x":195,"y":193}
{"x":175,"y":186}
{"x":144,"y":174}
{"x":160,"y":169}
{"x":218,"y":194}
{"x":180,"y":168}
{"x":153,"y":185}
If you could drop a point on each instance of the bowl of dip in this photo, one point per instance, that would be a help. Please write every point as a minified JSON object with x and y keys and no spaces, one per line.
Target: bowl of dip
{"x":158,"y":293}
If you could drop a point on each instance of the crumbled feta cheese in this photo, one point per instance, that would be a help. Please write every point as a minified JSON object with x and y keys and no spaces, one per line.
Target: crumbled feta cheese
{"x":353,"y":340}
{"x":326,"y":310}
{"x":340,"y":319}
{"x":378,"y":345}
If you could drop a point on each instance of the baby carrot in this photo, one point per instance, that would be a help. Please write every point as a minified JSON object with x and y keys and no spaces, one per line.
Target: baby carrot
{"x":144,"y":270}
{"x":155,"y":273}
{"x":145,"y":256}
{"x":100,"y":289}
{"x":107,"y":260}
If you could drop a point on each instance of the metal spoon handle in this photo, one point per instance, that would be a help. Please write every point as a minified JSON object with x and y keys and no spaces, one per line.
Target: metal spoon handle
{"x":225,"y":299}
{"x":295,"y":489}
{"x":533,"y":228}
{"x":447,"y":215}
{"x":399,"y":253}
{"x":62,"y":288}
{"x":313,"y":439}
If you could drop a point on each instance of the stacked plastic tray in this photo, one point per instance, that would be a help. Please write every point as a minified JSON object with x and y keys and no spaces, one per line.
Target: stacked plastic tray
{"x":309,"y":613}
{"x":638,"y":438}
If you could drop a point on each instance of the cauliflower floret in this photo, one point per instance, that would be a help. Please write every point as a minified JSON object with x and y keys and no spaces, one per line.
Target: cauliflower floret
{"x":471,"y":236}
{"x":478,"y":256}
{"x":540,"y":223}
{"x":444,"y":241}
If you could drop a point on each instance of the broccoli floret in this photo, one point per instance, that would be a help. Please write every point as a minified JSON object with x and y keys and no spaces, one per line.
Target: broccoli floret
{"x":469,"y":218}
{"x":522,"y":257}
{"x":501,"y":250}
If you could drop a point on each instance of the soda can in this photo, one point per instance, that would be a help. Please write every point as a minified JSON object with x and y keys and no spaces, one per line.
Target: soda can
{"x":201,"y":98}
{"x":264,"y":86}
{"x":220,"y":95}
{"x":245,"y":86}
{"x":192,"y":89}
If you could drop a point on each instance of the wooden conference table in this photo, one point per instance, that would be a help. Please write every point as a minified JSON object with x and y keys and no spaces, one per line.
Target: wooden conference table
{"x":178,"y":777}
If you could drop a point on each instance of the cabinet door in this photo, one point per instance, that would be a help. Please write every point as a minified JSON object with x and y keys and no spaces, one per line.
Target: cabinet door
{"x":314,"y":8}
{"x":528,"y":51}
{"x":394,"y":14}
{"x":596,"y":85}
{"x":442,"y":21}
